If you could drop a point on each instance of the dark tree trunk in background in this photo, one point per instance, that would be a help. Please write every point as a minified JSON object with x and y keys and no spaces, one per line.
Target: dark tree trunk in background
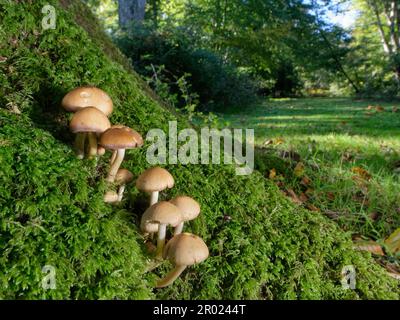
{"x":129,"y":11}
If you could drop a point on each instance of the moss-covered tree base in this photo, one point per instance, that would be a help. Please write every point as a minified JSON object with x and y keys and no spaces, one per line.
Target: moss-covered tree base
{"x":51,"y":207}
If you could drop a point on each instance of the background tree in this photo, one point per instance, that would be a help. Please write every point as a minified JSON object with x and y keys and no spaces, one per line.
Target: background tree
{"x":130,"y":11}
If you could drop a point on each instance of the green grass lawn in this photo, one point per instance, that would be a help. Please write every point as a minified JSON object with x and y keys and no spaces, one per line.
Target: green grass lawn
{"x":335,"y":138}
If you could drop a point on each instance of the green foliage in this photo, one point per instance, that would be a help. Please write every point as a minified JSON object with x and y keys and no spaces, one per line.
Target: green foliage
{"x":218,"y":85}
{"x":51,"y":208}
{"x":278,"y":43}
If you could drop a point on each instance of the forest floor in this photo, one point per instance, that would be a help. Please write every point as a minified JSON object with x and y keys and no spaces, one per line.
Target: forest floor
{"x":339,"y":156}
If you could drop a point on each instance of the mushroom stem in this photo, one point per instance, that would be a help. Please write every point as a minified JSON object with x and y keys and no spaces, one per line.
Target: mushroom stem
{"x":114,"y":155}
{"x":162,"y":232}
{"x":121,"y":192}
{"x":178,"y":229}
{"x":80,"y":144}
{"x":115,"y":165}
{"x":92,"y":145}
{"x":153,"y":197}
{"x":171,"y":276}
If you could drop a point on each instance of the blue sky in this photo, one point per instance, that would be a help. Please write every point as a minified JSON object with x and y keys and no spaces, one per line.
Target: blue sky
{"x":345,"y":16}
{"x":345,"y":19}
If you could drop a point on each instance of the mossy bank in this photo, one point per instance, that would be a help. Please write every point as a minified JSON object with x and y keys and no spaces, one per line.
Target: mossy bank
{"x":51,"y":204}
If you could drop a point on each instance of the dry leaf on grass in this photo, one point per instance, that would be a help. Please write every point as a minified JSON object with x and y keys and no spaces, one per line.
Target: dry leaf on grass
{"x":292,"y":195}
{"x":303,"y":197}
{"x":330,"y":195}
{"x":370,"y":246}
{"x":362,"y":173}
{"x":305,"y":181}
{"x":311,"y":207}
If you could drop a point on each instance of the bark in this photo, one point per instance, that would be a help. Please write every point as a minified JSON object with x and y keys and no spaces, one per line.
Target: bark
{"x":386,"y":45}
{"x":390,"y":36}
{"x":130,"y":11}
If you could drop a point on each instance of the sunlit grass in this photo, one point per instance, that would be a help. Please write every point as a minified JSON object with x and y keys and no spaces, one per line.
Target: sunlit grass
{"x":333,"y":136}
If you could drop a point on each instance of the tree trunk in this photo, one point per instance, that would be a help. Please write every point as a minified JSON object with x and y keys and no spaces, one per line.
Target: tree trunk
{"x":130,"y":11}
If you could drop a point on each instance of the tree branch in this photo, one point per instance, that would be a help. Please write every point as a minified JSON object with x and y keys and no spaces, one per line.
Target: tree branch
{"x":386,"y":45}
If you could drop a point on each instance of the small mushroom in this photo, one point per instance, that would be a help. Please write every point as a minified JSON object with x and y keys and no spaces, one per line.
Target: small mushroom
{"x":87,"y":96}
{"x":100,"y":151}
{"x":110,"y":197}
{"x":183,"y":250}
{"x":190,"y":210}
{"x":118,"y":126}
{"x":153,"y":181}
{"x":88,"y":122}
{"x":148,"y":228}
{"x":119,"y":139}
{"x":122,"y":178}
{"x":163,"y":214}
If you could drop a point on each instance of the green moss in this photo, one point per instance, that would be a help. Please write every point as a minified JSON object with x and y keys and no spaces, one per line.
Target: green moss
{"x":51,"y":203}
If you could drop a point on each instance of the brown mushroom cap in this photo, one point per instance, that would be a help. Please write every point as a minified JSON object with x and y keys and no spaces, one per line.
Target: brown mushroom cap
{"x":189,"y":207}
{"x":155,"y":179}
{"x":87,"y":96}
{"x":121,"y":138}
{"x":123,"y":176}
{"x":163,"y":212}
{"x":89,"y":119}
{"x":186,"y":249}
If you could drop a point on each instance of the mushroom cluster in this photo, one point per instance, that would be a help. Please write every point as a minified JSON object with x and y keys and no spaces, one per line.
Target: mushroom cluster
{"x":183,"y":249}
{"x":95,"y":134}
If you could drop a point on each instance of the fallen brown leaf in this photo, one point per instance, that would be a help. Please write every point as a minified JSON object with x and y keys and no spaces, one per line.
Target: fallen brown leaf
{"x":292,"y":195}
{"x":330,"y":195}
{"x":361,"y":173}
{"x":370,"y":246}
{"x":305,"y":181}
{"x":303,"y":197}
{"x":312,"y":207}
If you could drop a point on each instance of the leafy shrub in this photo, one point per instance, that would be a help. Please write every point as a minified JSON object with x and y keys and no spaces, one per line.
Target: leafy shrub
{"x":218,"y":85}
